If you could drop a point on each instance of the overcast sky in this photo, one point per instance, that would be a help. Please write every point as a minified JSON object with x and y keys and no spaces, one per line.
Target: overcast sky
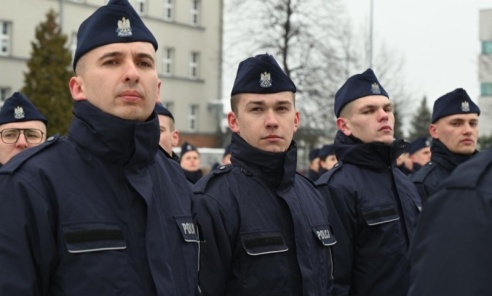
{"x":438,"y":40}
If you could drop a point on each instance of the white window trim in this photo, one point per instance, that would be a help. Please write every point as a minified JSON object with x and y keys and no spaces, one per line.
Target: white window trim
{"x":195,"y":12}
{"x":168,"y":60}
{"x":192,"y":117}
{"x":194,"y":66}
{"x":169,"y":6}
{"x":5,"y":38}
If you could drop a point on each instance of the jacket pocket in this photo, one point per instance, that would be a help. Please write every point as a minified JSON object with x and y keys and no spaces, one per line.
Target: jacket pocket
{"x":380,"y":214}
{"x":263,"y":243}
{"x":93,"y":237}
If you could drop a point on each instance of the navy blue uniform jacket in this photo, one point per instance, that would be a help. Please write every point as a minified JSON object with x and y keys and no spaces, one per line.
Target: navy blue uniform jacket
{"x":100,"y":212}
{"x":442,"y":163}
{"x":377,"y":207}
{"x":265,"y":228}
{"x":451,"y":251}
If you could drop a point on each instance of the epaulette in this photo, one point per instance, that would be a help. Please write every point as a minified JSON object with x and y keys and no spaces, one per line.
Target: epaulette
{"x":18,"y":160}
{"x":323,"y":179}
{"x":421,"y":174}
{"x":202,"y":184}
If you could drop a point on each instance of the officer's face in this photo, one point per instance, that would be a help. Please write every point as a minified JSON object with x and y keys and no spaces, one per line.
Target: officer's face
{"x":369,"y":119}
{"x":422,"y":156}
{"x":7,"y":151}
{"x":329,"y":162}
{"x":266,"y":121}
{"x":169,"y":135}
{"x":458,"y":132}
{"x":190,"y":161}
{"x":119,"y":79}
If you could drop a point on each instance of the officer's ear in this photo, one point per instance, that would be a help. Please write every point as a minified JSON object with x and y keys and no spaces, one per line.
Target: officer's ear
{"x":233,"y":122}
{"x":433,"y":131}
{"x":344,"y":126}
{"x":76,"y":89}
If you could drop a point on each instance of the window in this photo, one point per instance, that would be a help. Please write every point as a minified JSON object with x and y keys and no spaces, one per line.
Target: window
{"x":192,"y":117}
{"x":487,"y":47}
{"x":169,"y":106}
{"x":4,"y":94}
{"x":195,"y":12}
{"x":486,"y":89}
{"x":5,"y":32}
{"x":167,"y":61}
{"x":140,"y":6}
{"x":194,"y":61}
{"x":169,"y":10}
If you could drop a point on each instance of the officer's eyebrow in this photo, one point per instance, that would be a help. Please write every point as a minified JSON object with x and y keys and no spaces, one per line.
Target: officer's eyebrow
{"x":111,"y":54}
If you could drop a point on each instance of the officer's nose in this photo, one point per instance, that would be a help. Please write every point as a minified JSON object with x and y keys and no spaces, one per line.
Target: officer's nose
{"x":21,"y":142}
{"x":271,"y":119}
{"x":132,"y":74}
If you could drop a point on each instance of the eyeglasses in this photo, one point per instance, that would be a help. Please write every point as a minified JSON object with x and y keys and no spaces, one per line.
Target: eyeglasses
{"x":32,"y":135}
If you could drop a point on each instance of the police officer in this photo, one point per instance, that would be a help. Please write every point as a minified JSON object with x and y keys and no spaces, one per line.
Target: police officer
{"x":21,"y":126}
{"x":376,"y":203}
{"x":169,"y":134}
{"x":450,"y":253}
{"x":454,"y":129}
{"x":327,"y":158}
{"x":419,"y":154}
{"x":265,"y":228}
{"x":190,"y":162}
{"x":102,"y":211}
{"x":313,"y":170}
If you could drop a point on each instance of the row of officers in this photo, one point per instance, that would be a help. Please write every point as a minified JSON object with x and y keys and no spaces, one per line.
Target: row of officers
{"x":106,"y":210}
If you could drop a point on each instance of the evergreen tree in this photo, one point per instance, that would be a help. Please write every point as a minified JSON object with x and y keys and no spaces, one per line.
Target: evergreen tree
{"x":419,"y":126}
{"x":484,"y":142}
{"x":398,"y":129}
{"x":46,"y":82}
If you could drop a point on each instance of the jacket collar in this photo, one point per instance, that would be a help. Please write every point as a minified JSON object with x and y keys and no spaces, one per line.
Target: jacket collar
{"x":276,"y":169}
{"x":119,"y":141}
{"x":446,"y":158}
{"x":375,"y":155}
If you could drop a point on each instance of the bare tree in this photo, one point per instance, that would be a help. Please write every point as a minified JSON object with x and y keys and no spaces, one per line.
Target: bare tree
{"x":316,"y":46}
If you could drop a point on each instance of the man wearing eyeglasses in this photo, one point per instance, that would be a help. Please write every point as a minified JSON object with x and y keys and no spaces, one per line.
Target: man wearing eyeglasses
{"x":22,"y":126}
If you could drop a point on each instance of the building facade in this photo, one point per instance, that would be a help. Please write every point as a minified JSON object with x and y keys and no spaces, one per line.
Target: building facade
{"x":189,"y":58}
{"x":485,"y":72}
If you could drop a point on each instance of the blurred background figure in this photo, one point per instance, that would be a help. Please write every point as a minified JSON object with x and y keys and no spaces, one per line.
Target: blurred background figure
{"x":190,"y":162}
{"x":21,"y":126}
{"x":313,"y":171}
{"x":419,"y":153}
{"x":169,"y":133}
{"x":327,"y":158}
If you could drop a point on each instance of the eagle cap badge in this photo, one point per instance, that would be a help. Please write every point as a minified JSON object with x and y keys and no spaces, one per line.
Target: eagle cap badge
{"x":375,"y":89}
{"x":124,"y":28}
{"x":465,"y":106}
{"x":265,"y":80}
{"x":19,"y":112}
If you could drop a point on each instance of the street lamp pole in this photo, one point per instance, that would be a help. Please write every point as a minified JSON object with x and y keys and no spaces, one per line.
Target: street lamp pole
{"x":371,"y":21}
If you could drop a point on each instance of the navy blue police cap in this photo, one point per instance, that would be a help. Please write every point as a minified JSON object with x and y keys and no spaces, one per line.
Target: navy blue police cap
{"x":187,"y":147}
{"x":417,"y":144}
{"x":326,"y":150}
{"x":261,"y":75}
{"x":116,"y":22}
{"x":160,"y":109}
{"x":18,"y":108}
{"x":455,"y":102}
{"x":313,"y":154}
{"x":358,"y":86}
